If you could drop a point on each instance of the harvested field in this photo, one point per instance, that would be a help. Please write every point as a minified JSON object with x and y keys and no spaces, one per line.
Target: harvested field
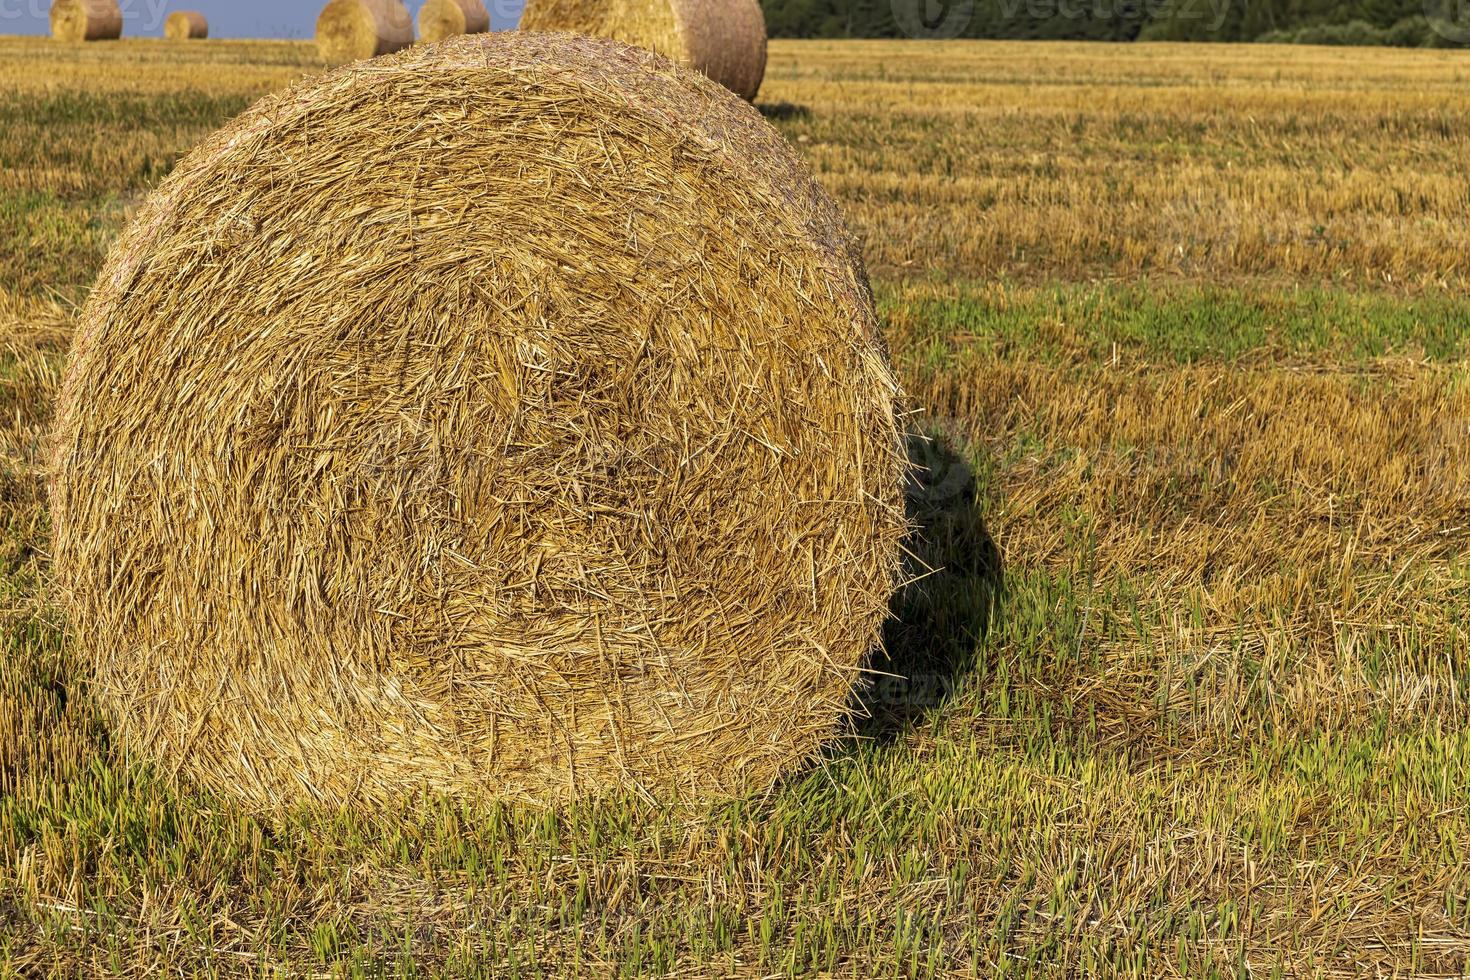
{"x":1187,"y":694}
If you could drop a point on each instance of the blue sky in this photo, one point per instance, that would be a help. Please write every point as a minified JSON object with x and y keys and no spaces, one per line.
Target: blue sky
{"x":227,"y":18}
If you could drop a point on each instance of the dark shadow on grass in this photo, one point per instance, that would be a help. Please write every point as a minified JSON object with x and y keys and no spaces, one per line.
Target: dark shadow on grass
{"x":780,"y":111}
{"x":941,"y":619}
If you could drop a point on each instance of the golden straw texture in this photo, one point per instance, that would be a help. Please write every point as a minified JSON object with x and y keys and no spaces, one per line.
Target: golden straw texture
{"x":725,"y":39}
{"x":184,"y":25}
{"x":353,"y":30}
{"x":508,"y":416}
{"x":439,"y":19}
{"x":86,"y":20}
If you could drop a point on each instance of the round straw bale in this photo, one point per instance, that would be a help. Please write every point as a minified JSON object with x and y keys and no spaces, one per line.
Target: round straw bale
{"x":353,"y":30}
{"x":548,"y":452}
{"x":439,"y":19}
{"x":184,"y":25}
{"x":86,"y":20}
{"x":725,"y":39}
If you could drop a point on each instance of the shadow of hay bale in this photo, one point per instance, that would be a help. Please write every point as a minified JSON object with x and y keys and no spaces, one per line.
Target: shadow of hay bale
{"x":941,"y":619}
{"x":777,"y":111}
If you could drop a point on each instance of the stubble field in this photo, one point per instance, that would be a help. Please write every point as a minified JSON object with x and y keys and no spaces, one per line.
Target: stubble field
{"x":1185,"y":332}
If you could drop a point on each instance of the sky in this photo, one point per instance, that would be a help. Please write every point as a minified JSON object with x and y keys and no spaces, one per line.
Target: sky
{"x":227,"y":18}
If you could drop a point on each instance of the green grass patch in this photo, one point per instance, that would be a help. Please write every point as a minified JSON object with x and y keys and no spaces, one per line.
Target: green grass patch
{"x":1178,"y":322}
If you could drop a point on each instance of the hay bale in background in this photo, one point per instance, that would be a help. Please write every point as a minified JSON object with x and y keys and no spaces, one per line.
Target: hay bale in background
{"x":185,"y":25}
{"x":725,"y":39}
{"x":550,"y":452}
{"x":352,"y":30}
{"x":86,"y":20}
{"x":439,"y":19}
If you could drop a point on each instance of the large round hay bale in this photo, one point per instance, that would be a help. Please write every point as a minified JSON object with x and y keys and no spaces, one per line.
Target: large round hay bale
{"x":185,"y":25}
{"x":353,"y":30}
{"x":439,"y":19}
{"x":507,"y":416}
{"x":725,"y":39}
{"x":86,"y":20}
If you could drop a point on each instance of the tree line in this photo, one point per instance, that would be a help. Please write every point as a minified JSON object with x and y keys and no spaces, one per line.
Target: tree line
{"x":1407,"y":23}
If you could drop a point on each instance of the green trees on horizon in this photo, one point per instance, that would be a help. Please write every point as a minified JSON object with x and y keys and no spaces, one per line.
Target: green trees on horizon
{"x":1406,"y":23}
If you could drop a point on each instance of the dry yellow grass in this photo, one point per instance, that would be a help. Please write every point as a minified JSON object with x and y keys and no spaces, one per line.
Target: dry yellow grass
{"x":1027,"y":161}
{"x":1301,"y":511}
{"x":984,"y":159}
{"x":1200,"y":712}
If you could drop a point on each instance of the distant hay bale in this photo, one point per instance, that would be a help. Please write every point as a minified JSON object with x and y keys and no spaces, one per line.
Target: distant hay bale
{"x":508,"y":416}
{"x":353,"y":30}
{"x":185,"y":25}
{"x":725,"y":39}
{"x":86,"y":20}
{"x":439,"y":19}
